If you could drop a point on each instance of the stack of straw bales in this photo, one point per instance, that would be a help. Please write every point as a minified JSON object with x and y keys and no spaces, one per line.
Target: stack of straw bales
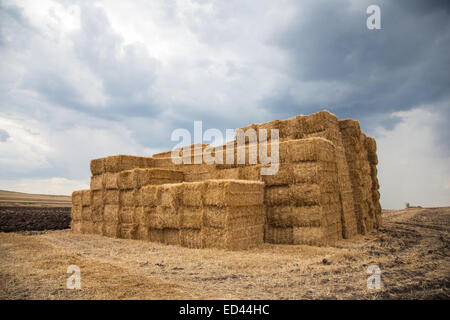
{"x":326,"y":189}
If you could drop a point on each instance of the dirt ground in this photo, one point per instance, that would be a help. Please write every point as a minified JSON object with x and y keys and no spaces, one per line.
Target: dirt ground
{"x":13,"y":218}
{"x":411,"y":250}
{"x":11,"y":198}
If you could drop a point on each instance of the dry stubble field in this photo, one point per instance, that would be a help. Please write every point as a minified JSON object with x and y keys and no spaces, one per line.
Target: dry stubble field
{"x":412,"y":251}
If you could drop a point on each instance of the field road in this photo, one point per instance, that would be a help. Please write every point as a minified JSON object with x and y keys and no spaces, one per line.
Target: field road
{"x":411,"y":250}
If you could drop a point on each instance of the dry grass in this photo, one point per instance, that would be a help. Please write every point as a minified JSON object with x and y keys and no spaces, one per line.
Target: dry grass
{"x":411,"y":250}
{"x":11,"y":198}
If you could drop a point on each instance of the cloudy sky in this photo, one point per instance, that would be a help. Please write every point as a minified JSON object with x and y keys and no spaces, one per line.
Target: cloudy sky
{"x":84,"y":79}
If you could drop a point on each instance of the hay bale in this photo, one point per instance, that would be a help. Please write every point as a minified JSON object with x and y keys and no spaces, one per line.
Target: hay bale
{"x":125,"y":180}
{"x":311,"y":149}
{"x":214,"y":238}
{"x":320,"y":121}
{"x":141,"y":216}
{"x":143,"y":233}
{"x":86,"y":197}
{"x":191,"y":217}
{"x":284,"y":176}
{"x":86,"y":214}
{"x":171,"y":236}
{"x":278,"y":235}
{"x":126,"y":214}
{"x":304,"y":194}
{"x":111,"y":229}
{"x":111,"y":180}
{"x":151,"y":196}
{"x":75,"y":226}
{"x":191,"y":238}
{"x":143,"y":177}
{"x":127,"y":198}
{"x":125,"y":162}
{"x":111,"y":214}
{"x":171,"y":195}
{"x":97,"y":182}
{"x":77,"y":198}
{"x":251,"y":172}
{"x":228,"y":217}
{"x":234,"y":193}
{"x":96,"y":198}
{"x":156,"y":235}
{"x":87,"y":227}
{"x":111,"y":197}
{"x":277,"y":195}
{"x":97,"y":166}
{"x":97,"y":228}
{"x":165,"y":217}
{"x":97,"y":213}
{"x":314,"y":236}
{"x":192,"y":194}
{"x":128,"y":230}
{"x":75,"y":212}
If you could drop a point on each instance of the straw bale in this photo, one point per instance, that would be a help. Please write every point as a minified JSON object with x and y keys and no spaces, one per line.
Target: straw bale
{"x":125,"y":180}
{"x":245,"y":232}
{"x":311,"y":149}
{"x":126,"y":214}
{"x":151,"y":195}
{"x":319,"y":121}
{"x":77,"y":197}
{"x":251,"y":172}
{"x":191,"y":238}
{"x":141,"y":216}
{"x":315,"y":236}
{"x":165,"y":154}
{"x":75,"y":226}
{"x":97,"y":213}
{"x":165,"y":217}
{"x":304,"y":194}
{"x":75,"y":212}
{"x":156,"y":235}
{"x":87,"y":227}
{"x":143,"y":233}
{"x":86,"y":197}
{"x":171,"y":195}
{"x":126,"y":162}
{"x":234,"y":192}
{"x":277,"y":195}
{"x":232,"y":173}
{"x":191,"y":217}
{"x":111,"y":180}
{"x":292,"y":128}
{"x":164,"y":163}
{"x":278,"y":235}
{"x":128,"y":230}
{"x":192,"y":194}
{"x":97,"y":182}
{"x":246,"y":243}
{"x":111,"y":229}
{"x":143,"y":177}
{"x":96,"y":198}
{"x":214,"y":238}
{"x":223,"y":217}
{"x":97,"y":166}
{"x":97,"y":228}
{"x":171,"y":236}
{"x":127,"y":198}
{"x":86,"y":213}
{"x":284,"y":176}
{"x":111,"y":213}
{"x":111,"y":197}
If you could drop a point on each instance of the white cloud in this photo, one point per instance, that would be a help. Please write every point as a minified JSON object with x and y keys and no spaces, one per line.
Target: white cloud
{"x":411,"y":166}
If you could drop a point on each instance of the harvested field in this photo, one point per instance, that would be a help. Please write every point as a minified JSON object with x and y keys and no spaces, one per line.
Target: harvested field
{"x":11,"y":198}
{"x":13,"y":218}
{"x":411,"y":249}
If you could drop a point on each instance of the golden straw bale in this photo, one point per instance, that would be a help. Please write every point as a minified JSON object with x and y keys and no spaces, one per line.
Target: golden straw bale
{"x":126,"y":162}
{"x":315,"y":236}
{"x":111,"y":229}
{"x":278,"y":235}
{"x":111,"y":213}
{"x":77,"y":197}
{"x":127,"y":198}
{"x":171,"y":236}
{"x":86,"y":197}
{"x":86,"y":213}
{"x":111,"y":180}
{"x":151,"y":196}
{"x":111,"y":197}
{"x":192,"y":194}
{"x":97,"y":228}
{"x":87,"y":227}
{"x":126,"y":214}
{"x":97,"y":213}
{"x":97,"y":166}
{"x":191,"y":238}
{"x":97,"y":182}
{"x":277,"y":195}
{"x":191,"y":217}
{"x":233,"y":192}
{"x":143,"y":233}
{"x":75,"y":226}
{"x":75,"y":212}
{"x":128,"y":230}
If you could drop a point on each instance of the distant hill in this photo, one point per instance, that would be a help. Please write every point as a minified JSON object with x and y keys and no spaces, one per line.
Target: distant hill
{"x":11,"y":198}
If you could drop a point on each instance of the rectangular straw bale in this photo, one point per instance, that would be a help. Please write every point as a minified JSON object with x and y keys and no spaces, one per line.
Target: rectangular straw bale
{"x":126,"y":214}
{"x":97,"y":213}
{"x":97,"y":228}
{"x":292,"y":128}
{"x":128,"y":230}
{"x":245,"y":232}
{"x":165,"y":154}
{"x":171,"y":195}
{"x":97,"y":166}
{"x":156,"y":235}
{"x":143,"y":177}
{"x":86,"y":197}
{"x":268,"y":126}
{"x":171,"y":236}
{"x":75,"y":226}
{"x":278,"y":235}
{"x":111,"y":180}
{"x":75,"y":212}
{"x":97,"y":182}
{"x":233,"y":192}
{"x":214,"y":238}
{"x":111,"y":229}
{"x":305,"y":172}
{"x":284,"y":176}
{"x":125,"y":180}
{"x":223,"y":217}
{"x":320,"y":121}
{"x":126,"y":162}
{"x":307,"y":216}
{"x":192,"y":194}
{"x":151,"y":195}
{"x":165,"y":217}
{"x":191,"y":238}
{"x":164,"y":163}
{"x":127,"y":198}
{"x":311,"y":149}
{"x":111,"y":213}
{"x":141,"y":216}
{"x":314,"y":236}
{"x":304,"y":194}
{"x":191,"y":217}
{"x":111,"y":197}
{"x":77,"y":197}
{"x":251,"y":172}
{"x":232,"y":173}
{"x":96,"y":198}
{"x":87,"y":227}
{"x":253,"y":241}
{"x":143,"y":233}
{"x":277,"y":195}
{"x":86,"y":213}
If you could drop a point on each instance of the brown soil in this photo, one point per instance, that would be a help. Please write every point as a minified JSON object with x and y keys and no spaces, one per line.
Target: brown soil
{"x":33,"y":218}
{"x":412,"y":251}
